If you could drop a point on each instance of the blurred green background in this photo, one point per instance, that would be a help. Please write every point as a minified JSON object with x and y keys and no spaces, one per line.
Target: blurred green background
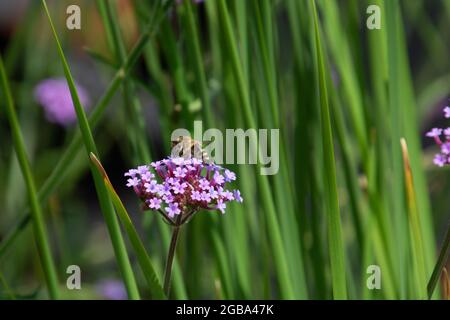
{"x":309,"y":231}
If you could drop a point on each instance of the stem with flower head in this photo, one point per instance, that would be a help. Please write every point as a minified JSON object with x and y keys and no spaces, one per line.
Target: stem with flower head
{"x":171,"y":255}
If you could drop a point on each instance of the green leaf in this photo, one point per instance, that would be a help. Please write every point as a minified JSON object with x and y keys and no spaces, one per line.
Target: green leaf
{"x":141,"y":254}
{"x":414,"y":222}
{"x":105,"y":203}
{"x":444,"y":253}
{"x":336,"y":246}
{"x":40,"y":230}
{"x":63,"y":166}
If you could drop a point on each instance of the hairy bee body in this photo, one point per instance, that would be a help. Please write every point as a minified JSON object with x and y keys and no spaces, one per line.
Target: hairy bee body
{"x":186,"y":147}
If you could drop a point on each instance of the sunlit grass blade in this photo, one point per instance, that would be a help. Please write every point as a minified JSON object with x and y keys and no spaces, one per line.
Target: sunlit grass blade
{"x":141,"y":254}
{"x":40,"y":230}
{"x":105,"y":202}
{"x":336,"y":245}
{"x":414,"y":222}
{"x":131,"y":102}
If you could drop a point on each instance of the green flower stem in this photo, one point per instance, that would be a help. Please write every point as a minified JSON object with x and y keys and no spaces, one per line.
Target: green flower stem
{"x":170,"y":257}
{"x":40,"y":231}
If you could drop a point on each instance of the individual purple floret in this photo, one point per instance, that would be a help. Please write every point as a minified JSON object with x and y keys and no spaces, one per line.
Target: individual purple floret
{"x":447,"y":112}
{"x":177,"y":187}
{"x":443,"y":157}
{"x":54,"y":96}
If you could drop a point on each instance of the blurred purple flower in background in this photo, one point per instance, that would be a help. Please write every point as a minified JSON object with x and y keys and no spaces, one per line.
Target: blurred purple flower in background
{"x":112,"y":290}
{"x":54,"y":96}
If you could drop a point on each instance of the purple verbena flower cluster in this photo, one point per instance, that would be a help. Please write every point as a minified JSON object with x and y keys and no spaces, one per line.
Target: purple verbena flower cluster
{"x":178,"y":186}
{"x":54,"y":96}
{"x":443,"y":157}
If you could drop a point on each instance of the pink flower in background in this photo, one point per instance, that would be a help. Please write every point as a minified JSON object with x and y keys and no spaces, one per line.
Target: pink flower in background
{"x":54,"y":96}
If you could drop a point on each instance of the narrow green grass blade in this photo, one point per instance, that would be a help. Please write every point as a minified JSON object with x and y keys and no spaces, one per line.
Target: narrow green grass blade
{"x":141,"y":254}
{"x":397,"y":129}
{"x":200,"y":75}
{"x":268,"y":64}
{"x":442,"y":260}
{"x":269,"y":108}
{"x":222,"y":261}
{"x":105,"y":202}
{"x":412,"y":134}
{"x":177,"y":70}
{"x":336,"y":246}
{"x":40,"y":230}
{"x":278,"y":250}
{"x":7,"y":288}
{"x":14,"y":233}
{"x":414,"y":222}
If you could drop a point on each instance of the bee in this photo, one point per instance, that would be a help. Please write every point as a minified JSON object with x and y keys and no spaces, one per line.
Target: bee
{"x":186,"y":147}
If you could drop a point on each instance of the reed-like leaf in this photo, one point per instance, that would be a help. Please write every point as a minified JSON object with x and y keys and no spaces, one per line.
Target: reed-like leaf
{"x":105,"y":202}
{"x":414,"y":222}
{"x":335,"y":242}
{"x":200,"y":75}
{"x":274,"y":233}
{"x":141,"y":254}
{"x":131,"y":102}
{"x":40,"y":230}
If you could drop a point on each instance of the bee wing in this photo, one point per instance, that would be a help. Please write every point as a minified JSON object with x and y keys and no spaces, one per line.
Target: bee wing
{"x":177,"y":149}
